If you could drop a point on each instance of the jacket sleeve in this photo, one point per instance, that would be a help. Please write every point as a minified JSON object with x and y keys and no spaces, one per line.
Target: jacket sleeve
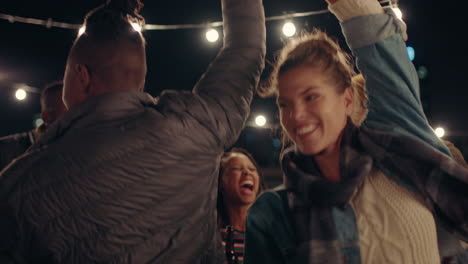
{"x":221,"y":99}
{"x":377,"y":40}
{"x":13,"y":146}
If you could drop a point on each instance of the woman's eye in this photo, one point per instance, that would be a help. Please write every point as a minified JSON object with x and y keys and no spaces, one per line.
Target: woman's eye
{"x":309,"y":98}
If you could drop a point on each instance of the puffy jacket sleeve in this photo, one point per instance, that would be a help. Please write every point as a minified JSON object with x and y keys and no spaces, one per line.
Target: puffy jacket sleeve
{"x":377,"y":40}
{"x":221,"y":99}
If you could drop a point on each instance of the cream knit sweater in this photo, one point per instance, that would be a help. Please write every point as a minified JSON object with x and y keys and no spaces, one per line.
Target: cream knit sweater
{"x":394,"y":226}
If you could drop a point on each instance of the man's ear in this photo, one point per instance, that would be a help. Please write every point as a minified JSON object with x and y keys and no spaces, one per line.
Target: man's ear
{"x":84,"y":77}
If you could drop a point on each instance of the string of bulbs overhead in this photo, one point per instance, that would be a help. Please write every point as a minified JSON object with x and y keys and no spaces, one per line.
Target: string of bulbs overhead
{"x":211,"y":34}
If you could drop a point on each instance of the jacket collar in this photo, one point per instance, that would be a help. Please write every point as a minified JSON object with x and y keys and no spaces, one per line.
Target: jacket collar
{"x":109,"y":106}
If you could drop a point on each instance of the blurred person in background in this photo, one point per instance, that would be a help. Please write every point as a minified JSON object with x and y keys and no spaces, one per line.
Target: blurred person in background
{"x":240,"y":182}
{"x":52,"y":108}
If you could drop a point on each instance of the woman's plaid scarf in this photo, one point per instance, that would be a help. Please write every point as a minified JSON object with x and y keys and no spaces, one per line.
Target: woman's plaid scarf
{"x":316,"y":204}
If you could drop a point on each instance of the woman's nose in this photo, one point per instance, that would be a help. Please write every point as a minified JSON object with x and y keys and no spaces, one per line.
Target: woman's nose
{"x":297,"y":112}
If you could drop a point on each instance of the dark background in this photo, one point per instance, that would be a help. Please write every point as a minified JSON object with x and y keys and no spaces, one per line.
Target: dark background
{"x":35,"y":55}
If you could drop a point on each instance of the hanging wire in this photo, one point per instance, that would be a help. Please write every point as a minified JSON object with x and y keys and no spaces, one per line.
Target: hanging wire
{"x":49,"y":23}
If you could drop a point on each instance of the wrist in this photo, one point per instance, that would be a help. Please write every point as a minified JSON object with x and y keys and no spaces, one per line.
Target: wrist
{"x":347,"y":9}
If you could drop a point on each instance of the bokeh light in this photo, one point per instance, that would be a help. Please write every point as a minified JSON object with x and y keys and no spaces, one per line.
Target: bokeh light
{"x":411,"y":52}
{"x":440,"y":132}
{"x":289,"y":29}
{"x":20,"y":94}
{"x":212,"y":35}
{"x":260,"y":120}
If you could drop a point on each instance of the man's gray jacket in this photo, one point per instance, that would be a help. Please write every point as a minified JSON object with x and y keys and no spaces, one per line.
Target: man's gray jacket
{"x":127,"y":178}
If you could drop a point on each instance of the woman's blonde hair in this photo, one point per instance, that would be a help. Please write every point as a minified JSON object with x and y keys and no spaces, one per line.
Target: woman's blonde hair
{"x":315,"y":49}
{"x":360,"y":99}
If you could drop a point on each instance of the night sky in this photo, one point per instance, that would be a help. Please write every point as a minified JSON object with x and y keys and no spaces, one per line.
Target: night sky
{"x":36,"y":55}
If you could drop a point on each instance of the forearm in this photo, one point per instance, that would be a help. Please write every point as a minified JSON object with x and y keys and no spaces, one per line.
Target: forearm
{"x":241,"y":58}
{"x":345,"y":10}
{"x":228,"y":86}
{"x":244,"y":24}
{"x":377,"y":41}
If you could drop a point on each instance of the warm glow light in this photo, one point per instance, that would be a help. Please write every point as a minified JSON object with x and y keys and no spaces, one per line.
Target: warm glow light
{"x":289,"y":29}
{"x":212,"y":35}
{"x":81,"y":31}
{"x":136,"y":27}
{"x":20,"y":94}
{"x":440,"y":132}
{"x":260,"y":121}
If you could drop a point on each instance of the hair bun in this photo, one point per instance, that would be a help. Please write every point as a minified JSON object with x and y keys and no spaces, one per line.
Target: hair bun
{"x":126,"y":7}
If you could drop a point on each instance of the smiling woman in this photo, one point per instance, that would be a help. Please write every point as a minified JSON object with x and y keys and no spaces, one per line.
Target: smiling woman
{"x":312,"y":83}
{"x":356,"y":194}
{"x":240,"y":182}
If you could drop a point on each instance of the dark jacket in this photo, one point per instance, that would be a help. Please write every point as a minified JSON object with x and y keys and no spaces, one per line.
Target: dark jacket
{"x":270,"y":236}
{"x":127,"y":178}
{"x":12,"y":146}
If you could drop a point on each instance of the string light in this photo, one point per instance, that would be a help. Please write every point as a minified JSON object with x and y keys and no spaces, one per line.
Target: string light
{"x":137,"y":27}
{"x":81,"y":31}
{"x":49,"y":23}
{"x":260,"y":121}
{"x":289,"y":29}
{"x":22,"y":90}
{"x":440,"y":132}
{"x":212,"y":35}
{"x":20,"y":94}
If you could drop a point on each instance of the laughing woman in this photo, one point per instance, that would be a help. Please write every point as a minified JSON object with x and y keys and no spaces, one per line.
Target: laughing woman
{"x":385,"y":192}
{"x":240,"y":181}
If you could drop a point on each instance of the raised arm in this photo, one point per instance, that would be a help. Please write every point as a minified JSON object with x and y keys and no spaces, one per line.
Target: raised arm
{"x":224,"y":93}
{"x":377,"y":39}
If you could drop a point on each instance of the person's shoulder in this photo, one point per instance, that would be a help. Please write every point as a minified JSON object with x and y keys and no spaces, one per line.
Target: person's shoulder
{"x":272,"y":196}
{"x":24,"y":137}
{"x":270,"y":203}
